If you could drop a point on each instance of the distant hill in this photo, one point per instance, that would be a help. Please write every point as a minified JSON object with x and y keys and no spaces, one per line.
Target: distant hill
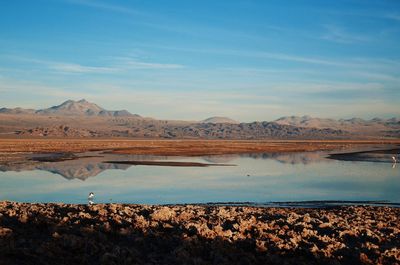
{"x":166,"y":130}
{"x":72,"y":108}
{"x":82,"y":119}
{"x":17,"y":111}
{"x":82,"y":108}
{"x":219,"y":120}
{"x":374,"y":126}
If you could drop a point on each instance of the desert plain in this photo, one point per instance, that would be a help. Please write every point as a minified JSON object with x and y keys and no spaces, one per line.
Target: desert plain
{"x":12,"y":146}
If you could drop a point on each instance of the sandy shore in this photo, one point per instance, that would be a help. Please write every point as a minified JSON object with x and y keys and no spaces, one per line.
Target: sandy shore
{"x":138,"y":234}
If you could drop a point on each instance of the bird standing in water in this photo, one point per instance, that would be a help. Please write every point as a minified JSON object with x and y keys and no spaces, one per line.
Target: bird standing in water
{"x":90,"y":198}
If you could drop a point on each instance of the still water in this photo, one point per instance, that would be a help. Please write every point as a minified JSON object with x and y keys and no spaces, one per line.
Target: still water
{"x":255,"y":178}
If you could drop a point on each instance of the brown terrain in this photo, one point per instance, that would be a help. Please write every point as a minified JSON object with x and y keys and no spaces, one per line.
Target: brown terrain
{"x":82,"y":119}
{"x":190,"y":234}
{"x":15,"y":147}
{"x":86,"y":127}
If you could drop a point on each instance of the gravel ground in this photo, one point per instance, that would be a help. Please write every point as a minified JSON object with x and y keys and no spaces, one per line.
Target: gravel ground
{"x":188,"y":234}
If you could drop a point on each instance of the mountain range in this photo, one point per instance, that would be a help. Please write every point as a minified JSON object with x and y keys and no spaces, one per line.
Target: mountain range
{"x":84,"y":119}
{"x":72,"y":108}
{"x":308,"y":121}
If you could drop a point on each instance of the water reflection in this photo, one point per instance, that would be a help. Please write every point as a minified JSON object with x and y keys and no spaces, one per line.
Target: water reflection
{"x":90,"y":165}
{"x":81,"y":168}
{"x":285,"y":158}
{"x":376,"y":156}
{"x":256,"y":178}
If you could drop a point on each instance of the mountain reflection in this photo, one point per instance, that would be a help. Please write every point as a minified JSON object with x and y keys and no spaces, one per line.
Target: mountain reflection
{"x":285,"y":158}
{"x":83,"y":166}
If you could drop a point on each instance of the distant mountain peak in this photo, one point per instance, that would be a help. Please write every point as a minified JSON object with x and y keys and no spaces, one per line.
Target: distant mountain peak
{"x":83,"y":101}
{"x":71,"y":107}
{"x":217,"y":119}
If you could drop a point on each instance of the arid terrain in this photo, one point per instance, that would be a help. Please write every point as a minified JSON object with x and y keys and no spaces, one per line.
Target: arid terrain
{"x":83,"y":119}
{"x":190,"y":234}
{"x":16,"y":147}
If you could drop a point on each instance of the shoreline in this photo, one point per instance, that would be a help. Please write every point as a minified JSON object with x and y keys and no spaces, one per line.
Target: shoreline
{"x":13,"y":149}
{"x":178,"y":234}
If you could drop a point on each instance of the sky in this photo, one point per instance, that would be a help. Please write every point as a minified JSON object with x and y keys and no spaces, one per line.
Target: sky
{"x":185,"y":59}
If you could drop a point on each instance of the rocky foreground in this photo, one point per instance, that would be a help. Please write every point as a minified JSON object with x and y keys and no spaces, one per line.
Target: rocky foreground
{"x":138,"y":234}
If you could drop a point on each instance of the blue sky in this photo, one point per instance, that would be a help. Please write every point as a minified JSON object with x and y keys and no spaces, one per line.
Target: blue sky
{"x":249,"y":60}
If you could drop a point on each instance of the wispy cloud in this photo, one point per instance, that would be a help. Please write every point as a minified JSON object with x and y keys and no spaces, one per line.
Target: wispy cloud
{"x":295,"y":58}
{"x":132,"y":63}
{"x":105,"y":6}
{"x":313,"y":87}
{"x":348,"y":62}
{"x":77,"y":68}
{"x":339,"y":35}
{"x":259,"y":55}
{"x":394,"y":16}
{"x":114,"y":65}
{"x":62,"y":67}
{"x":377,"y":76}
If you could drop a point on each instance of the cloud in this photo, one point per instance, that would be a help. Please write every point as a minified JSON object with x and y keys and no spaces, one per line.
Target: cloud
{"x":105,"y":6}
{"x":77,"y":68}
{"x":131,"y":63}
{"x":115,"y":65}
{"x":377,"y":76}
{"x":394,"y":16}
{"x":313,"y":87}
{"x":64,"y":67}
{"x":339,"y":35}
{"x":345,"y":62}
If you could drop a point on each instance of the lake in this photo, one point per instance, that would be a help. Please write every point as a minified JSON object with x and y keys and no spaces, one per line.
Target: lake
{"x":265,"y":179}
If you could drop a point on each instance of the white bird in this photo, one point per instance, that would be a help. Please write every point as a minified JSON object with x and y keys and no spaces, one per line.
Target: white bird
{"x":394,"y":159}
{"x":91,"y":196}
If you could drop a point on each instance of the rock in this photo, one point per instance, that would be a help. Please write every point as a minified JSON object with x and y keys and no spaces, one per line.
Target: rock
{"x":261,"y":246}
{"x":325,"y":225}
{"x":365,"y":260}
{"x":163,"y":214}
{"x":5,"y":232}
{"x":306,"y":218}
{"x":23,"y":218}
